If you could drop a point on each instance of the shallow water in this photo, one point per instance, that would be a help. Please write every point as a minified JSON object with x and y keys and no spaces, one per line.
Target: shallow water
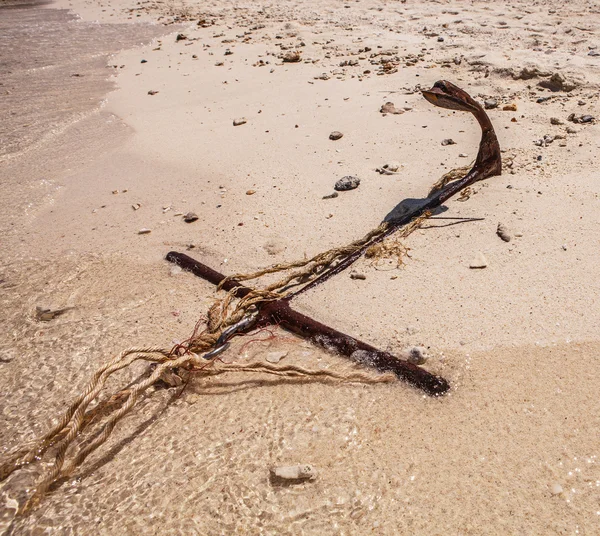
{"x":54,"y":76}
{"x":54,"y":70}
{"x":389,"y":460}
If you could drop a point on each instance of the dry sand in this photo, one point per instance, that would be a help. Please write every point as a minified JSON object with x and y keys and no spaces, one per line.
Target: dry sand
{"x":513,"y":449}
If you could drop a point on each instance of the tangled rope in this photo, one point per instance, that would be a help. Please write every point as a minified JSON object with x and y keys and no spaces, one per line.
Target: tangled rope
{"x":66,"y":438}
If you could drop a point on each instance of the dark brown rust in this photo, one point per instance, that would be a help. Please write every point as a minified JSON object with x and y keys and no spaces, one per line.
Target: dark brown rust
{"x":279,"y":312}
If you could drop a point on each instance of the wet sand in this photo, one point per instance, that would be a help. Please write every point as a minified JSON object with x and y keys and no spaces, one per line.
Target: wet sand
{"x":511,"y":450}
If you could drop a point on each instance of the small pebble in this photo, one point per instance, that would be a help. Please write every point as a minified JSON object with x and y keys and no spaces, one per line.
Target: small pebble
{"x":190,"y":217}
{"x":490,"y":104}
{"x":347,"y":183}
{"x":512,"y":107}
{"x":463,"y":155}
{"x":275,"y":357}
{"x":152,"y":92}
{"x":448,"y":141}
{"x":479,"y":261}
{"x":250,"y":192}
{"x":331,"y":196}
{"x":239,"y":121}
{"x":389,"y":108}
{"x":193,"y":398}
{"x":171,"y":379}
{"x":45,"y":314}
{"x":555,"y":121}
{"x":335,"y":135}
{"x":144,"y":231}
{"x":503,"y":233}
{"x":581,"y":118}
{"x":416,"y":354}
{"x":556,"y":489}
{"x":391,"y":168}
{"x":356,"y":275}
{"x":292,"y":57}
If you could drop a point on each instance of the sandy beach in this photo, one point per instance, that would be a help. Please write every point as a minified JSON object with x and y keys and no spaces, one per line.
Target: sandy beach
{"x":117,"y":119}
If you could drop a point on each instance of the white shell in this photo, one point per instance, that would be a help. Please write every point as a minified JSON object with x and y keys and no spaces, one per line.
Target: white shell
{"x":294,"y":472}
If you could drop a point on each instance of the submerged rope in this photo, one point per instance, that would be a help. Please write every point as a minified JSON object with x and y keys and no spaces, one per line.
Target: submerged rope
{"x":67,"y":434}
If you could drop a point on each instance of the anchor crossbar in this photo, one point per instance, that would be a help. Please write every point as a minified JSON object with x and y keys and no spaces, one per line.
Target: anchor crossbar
{"x":279,"y":312}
